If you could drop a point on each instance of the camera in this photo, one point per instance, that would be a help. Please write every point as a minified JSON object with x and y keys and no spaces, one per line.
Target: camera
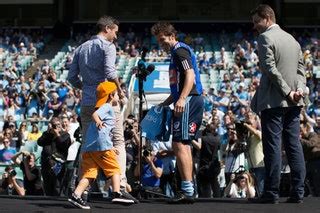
{"x":146,"y":153}
{"x":239,"y":177}
{"x":128,"y":133}
{"x":78,"y":134}
{"x":129,"y":126}
{"x":239,"y":174}
{"x":55,"y":126}
{"x":12,"y":173}
{"x":240,"y":128}
{"x":28,"y":157}
{"x":242,"y":135}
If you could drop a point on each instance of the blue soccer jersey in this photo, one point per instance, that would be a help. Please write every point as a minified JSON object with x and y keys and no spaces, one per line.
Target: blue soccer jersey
{"x":182,"y":59}
{"x":185,"y":127}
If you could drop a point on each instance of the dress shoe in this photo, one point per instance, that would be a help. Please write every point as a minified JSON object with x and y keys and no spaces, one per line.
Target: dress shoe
{"x":264,"y":200}
{"x":293,"y":200}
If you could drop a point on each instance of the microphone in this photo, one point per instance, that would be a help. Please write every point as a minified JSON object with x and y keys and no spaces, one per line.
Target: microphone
{"x":150,"y":68}
{"x":142,"y":70}
{"x":141,"y":64}
{"x":142,"y":67}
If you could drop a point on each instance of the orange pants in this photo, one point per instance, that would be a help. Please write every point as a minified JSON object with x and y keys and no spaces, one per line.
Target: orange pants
{"x":93,"y":161}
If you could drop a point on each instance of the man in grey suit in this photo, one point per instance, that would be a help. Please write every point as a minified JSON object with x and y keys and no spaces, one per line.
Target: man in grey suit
{"x":279,"y":99}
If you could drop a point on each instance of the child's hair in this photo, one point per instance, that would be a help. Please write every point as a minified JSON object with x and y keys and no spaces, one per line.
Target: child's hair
{"x":104,"y":90}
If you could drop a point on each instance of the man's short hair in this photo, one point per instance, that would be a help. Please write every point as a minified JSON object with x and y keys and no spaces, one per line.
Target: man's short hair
{"x":263,"y":11}
{"x":106,"y":21}
{"x":54,"y":120}
{"x":163,"y":27}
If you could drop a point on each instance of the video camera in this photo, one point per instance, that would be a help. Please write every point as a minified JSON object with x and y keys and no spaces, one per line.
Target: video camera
{"x":242,"y":134}
{"x":240,"y":128}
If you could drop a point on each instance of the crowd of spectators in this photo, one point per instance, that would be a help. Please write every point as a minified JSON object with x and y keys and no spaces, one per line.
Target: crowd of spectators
{"x":230,"y":140}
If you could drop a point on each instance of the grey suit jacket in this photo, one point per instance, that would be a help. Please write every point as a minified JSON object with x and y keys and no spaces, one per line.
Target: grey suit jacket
{"x":282,"y":68}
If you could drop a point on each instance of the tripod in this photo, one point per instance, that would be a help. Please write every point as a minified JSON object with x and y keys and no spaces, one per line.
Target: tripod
{"x":142,"y":72}
{"x":244,"y":137}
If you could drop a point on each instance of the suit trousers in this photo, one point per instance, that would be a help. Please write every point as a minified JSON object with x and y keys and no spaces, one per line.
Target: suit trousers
{"x":282,"y":125}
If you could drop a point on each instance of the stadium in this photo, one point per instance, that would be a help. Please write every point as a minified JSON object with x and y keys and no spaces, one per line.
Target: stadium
{"x":239,"y":133}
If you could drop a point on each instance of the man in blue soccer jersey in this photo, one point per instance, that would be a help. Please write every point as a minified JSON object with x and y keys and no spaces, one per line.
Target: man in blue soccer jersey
{"x":186,"y":90}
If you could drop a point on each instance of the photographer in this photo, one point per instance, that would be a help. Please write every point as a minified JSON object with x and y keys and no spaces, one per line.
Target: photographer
{"x":55,"y":143}
{"x":131,"y":131}
{"x":72,"y":129}
{"x":10,"y":184}
{"x":152,"y":168}
{"x":168,"y":182}
{"x":234,"y":154}
{"x":310,"y":142}
{"x":31,"y":174}
{"x":240,"y":186}
{"x":209,"y":168}
{"x":255,"y":149}
{"x":132,"y":141}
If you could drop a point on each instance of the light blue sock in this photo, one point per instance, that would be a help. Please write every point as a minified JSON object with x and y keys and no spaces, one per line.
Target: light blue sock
{"x":187,"y":187}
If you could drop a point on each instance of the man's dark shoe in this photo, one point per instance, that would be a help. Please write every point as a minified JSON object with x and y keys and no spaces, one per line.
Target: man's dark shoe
{"x":119,"y":198}
{"x":293,"y":200}
{"x":263,"y":200}
{"x":181,"y":198}
{"x":128,"y":196}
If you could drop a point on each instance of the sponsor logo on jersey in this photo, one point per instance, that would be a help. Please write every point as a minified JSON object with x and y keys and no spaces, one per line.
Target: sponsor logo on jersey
{"x":176,"y":125}
{"x":192,"y":127}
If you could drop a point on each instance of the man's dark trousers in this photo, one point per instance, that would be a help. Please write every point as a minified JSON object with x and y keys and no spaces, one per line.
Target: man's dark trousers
{"x":282,"y":124}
